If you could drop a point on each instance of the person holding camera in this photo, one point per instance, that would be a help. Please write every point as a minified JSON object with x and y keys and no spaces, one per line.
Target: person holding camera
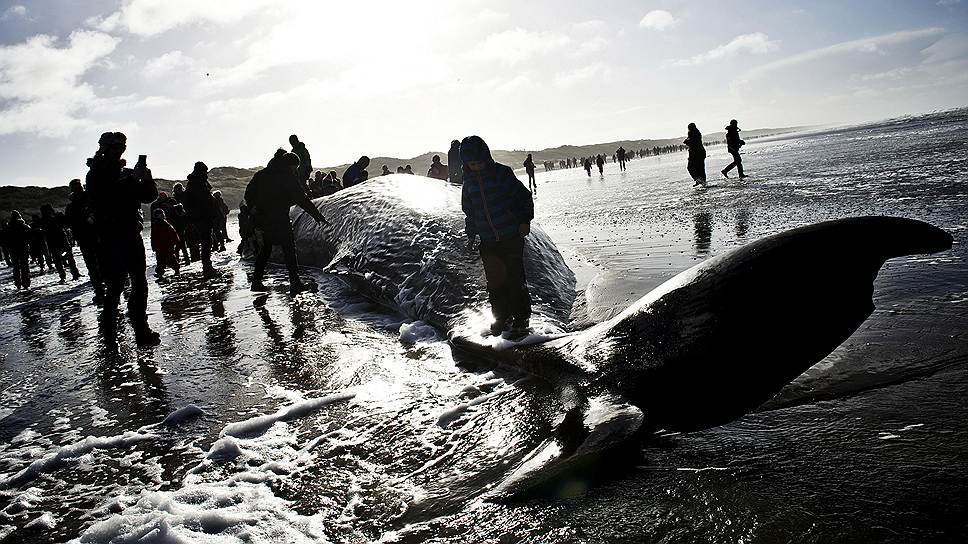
{"x":116,"y":194}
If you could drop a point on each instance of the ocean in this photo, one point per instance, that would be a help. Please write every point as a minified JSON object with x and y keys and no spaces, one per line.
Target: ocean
{"x":330,"y":418}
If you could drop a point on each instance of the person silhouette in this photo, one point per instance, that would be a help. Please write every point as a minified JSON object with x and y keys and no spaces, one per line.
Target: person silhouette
{"x":696,"y":164}
{"x":529,"y":168}
{"x":733,"y":143}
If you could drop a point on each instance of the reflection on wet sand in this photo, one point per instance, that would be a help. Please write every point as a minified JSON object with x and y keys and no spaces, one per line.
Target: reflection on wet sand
{"x":704,"y":232}
{"x":742,"y":226}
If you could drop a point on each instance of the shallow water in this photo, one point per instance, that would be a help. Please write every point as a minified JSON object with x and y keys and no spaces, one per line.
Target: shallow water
{"x":328,"y":418}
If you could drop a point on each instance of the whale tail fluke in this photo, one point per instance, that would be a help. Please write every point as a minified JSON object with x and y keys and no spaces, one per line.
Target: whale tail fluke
{"x":721,"y":338}
{"x":559,"y":465}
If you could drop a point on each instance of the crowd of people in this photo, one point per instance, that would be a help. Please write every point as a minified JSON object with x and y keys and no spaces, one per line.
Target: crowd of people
{"x":104,"y":219}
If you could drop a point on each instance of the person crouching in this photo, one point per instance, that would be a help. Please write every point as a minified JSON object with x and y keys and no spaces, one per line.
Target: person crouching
{"x":499,"y":210}
{"x":164,"y":242}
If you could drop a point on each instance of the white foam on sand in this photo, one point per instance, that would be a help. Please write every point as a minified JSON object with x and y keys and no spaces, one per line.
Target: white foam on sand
{"x":258,"y":425}
{"x":62,"y":454}
{"x":223,"y":512}
{"x":418,"y":331}
{"x":240,"y":506}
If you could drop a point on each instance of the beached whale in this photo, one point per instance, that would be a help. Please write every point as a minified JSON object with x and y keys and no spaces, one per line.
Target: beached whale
{"x":702,"y":349}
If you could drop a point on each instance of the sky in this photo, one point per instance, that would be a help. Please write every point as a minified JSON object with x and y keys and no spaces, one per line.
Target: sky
{"x":227,"y":81}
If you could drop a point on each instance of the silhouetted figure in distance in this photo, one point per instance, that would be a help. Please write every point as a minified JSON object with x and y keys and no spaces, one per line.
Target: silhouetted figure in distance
{"x":600,"y":162}
{"x":696,"y":164}
{"x":588,"y":166}
{"x":529,"y":169}
{"x":386,"y":171}
{"x":498,"y":209}
{"x":116,"y":195}
{"x":18,"y":244}
{"x":620,"y":153}
{"x":408,"y":170}
{"x":305,"y":161}
{"x":57,"y":243}
{"x":270,"y":194}
{"x":733,"y":143}
{"x":437,"y":170}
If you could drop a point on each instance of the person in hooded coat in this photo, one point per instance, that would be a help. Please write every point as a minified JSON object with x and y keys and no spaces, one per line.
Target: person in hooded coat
{"x":733,"y":143}
{"x":269,"y":195}
{"x":498,"y":210}
{"x":116,"y":195}
{"x":696,"y":164}
{"x":437,"y":170}
{"x":18,"y":244}
{"x":202,"y":213}
{"x":454,"y":165}
{"x":164,"y":242}
{"x":81,"y":222}
{"x":356,"y":173}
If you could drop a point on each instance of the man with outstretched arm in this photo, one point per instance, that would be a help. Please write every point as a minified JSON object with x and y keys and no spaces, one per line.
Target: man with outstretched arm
{"x":270,"y":194}
{"x":499,"y":210}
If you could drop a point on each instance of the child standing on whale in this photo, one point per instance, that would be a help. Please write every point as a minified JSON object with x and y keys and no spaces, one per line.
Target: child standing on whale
{"x":499,"y":210}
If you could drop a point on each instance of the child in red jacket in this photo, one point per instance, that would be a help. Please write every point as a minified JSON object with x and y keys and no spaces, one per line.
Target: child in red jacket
{"x":164,"y":242}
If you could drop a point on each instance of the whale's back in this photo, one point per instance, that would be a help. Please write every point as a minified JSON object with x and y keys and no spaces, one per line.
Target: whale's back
{"x":400,"y":240}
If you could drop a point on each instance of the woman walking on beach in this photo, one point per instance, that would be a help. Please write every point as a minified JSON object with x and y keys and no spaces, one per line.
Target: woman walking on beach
{"x":697,"y":155}
{"x":733,"y":143}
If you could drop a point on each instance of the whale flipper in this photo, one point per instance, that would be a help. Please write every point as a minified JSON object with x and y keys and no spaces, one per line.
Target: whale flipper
{"x":586,"y":433}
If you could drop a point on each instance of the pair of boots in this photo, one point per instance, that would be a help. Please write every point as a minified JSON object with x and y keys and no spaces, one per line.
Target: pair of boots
{"x":143,"y":335}
{"x":517,"y":325}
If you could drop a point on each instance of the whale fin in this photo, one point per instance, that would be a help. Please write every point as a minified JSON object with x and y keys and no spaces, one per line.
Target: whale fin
{"x":558,"y":466}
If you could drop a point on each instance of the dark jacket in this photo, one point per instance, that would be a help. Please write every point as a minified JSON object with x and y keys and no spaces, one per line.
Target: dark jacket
{"x":455,"y":171}
{"x":494,"y":201}
{"x":305,"y":161}
{"x":694,"y":141}
{"x":353,"y":175}
{"x":199,"y":204}
{"x":733,"y":142}
{"x":116,"y":194}
{"x":270,"y":194}
{"x":528,"y":165}
{"x":79,"y":218}
{"x":18,"y":236}
{"x":54,"y":234}
{"x":437,"y":171}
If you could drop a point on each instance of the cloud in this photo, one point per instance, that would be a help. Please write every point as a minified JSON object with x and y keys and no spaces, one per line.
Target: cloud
{"x":574,"y":77}
{"x":517,"y":45}
{"x":153,"y":17}
{"x":756,"y":43}
{"x":592,"y":46}
{"x":491,"y":16}
{"x":658,"y":19}
{"x":15,"y":11}
{"x":867,"y":46}
{"x":163,"y":65}
{"x":593,"y":25}
{"x":40,"y":83}
{"x":948,"y":2}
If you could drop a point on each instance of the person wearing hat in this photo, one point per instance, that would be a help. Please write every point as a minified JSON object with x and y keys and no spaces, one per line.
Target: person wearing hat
{"x":733,"y":143}
{"x":269,"y":195}
{"x":116,"y":195}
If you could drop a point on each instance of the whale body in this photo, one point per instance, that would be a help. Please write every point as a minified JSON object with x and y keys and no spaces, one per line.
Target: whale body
{"x":700,"y":350}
